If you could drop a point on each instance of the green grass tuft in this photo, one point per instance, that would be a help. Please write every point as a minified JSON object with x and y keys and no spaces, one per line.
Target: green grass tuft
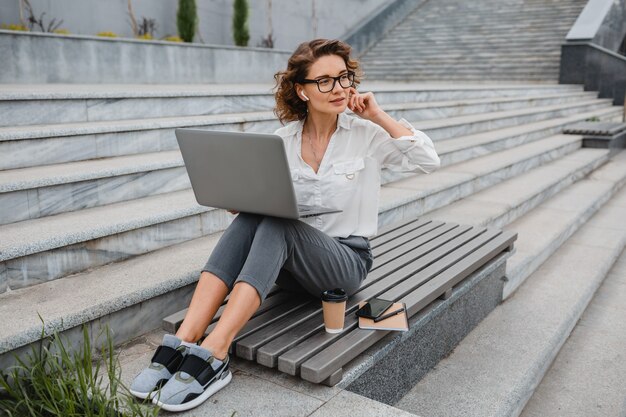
{"x":52,"y":380}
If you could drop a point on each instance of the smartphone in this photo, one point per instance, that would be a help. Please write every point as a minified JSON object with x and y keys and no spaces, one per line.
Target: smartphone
{"x":374,"y":308}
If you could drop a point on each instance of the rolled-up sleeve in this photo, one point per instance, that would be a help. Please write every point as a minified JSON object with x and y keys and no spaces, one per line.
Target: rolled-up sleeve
{"x":406,"y":153}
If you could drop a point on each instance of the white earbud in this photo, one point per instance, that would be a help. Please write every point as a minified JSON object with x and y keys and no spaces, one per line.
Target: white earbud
{"x":305,"y":97}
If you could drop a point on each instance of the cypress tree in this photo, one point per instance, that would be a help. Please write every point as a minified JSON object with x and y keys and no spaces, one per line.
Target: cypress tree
{"x":240,"y":23}
{"x":187,"y":19}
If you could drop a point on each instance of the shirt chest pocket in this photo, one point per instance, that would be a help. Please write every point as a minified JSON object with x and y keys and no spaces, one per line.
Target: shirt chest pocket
{"x":348,"y":169}
{"x":344,"y":180}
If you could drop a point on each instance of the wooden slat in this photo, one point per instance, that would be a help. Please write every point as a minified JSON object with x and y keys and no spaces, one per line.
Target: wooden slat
{"x":399,"y":251}
{"x":247,"y":345}
{"x":404,"y":238}
{"x":333,"y":357}
{"x":431,"y":264}
{"x":399,"y":231}
{"x":172,"y":322}
{"x":384,"y":230}
{"x":376,"y":282}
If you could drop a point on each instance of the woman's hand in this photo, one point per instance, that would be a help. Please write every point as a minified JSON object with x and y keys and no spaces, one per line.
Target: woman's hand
{"x":363,"y":105}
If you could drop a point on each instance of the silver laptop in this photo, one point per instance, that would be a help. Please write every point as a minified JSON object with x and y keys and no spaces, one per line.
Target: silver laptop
{"x":247,"y":172}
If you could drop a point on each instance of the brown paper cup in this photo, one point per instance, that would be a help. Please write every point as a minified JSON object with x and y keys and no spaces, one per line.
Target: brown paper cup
{"x":334,"y":308}
{"x":334,"y":315}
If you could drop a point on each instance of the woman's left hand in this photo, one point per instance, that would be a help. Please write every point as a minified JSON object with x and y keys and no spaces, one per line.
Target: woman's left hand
{"x":363,"y":105}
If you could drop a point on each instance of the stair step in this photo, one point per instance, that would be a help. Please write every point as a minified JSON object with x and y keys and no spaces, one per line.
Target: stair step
{"x":38,"y":250}
{"x":152,"y":274}
{"x":43,"y":145}
{"x":31,"y":193}
{"x":504,"y":202}
{"x":494,"y":370}
{"x":439,"y":129}
{"x":50,"y":105}
{"x":595,"y":349}
{"x":412,"y":197}
{"x":128,"y":289}
{"x":462,"y":148}
{"x":569,"y":210}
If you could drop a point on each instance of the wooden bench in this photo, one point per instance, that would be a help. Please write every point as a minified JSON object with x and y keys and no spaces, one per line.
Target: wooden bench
{"x":415,"y":262}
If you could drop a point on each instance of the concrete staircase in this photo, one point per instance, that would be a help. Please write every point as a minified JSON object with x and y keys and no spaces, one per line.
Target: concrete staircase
{"x":99,"y":225}
{"x":481,"y":41}
{"x":497,"y":368}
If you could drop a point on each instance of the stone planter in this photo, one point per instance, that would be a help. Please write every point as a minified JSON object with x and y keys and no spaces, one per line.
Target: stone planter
{"x":50,"y":58}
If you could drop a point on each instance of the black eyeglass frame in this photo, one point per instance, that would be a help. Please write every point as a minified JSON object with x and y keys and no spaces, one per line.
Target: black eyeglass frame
{"x":350,"y":75}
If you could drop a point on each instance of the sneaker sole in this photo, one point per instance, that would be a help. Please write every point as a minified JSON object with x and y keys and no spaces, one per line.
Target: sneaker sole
{"x":212,"y":389}
{"x":144,"y":395}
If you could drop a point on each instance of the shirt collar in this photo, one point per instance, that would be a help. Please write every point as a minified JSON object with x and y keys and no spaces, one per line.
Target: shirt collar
{"x":343,"y":121}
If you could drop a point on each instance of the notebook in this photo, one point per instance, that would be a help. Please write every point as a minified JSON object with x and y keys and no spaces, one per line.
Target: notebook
{"x":399,"y":322}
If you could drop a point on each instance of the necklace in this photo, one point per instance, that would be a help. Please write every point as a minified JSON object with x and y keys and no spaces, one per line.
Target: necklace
{"x":317,"y":160}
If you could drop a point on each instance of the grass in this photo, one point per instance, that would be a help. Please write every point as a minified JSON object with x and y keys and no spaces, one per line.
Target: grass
{"x":52,"y":380}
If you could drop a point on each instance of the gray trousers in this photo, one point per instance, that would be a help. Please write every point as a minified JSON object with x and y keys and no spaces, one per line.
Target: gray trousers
{"x":263,"y":250}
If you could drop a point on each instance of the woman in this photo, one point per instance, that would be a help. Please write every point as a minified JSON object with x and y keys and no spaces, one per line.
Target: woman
{"x":335,"y":161}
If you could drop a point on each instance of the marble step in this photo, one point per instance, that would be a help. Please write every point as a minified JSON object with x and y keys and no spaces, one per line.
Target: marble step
{"x":595,"y":349}
{"x":425,"y":32}
{"x":434,"y":197}
{"x":501,"y":204}
{"x":31,"y":193}
{"x":445,"y":70}
{"x":494,"y":58}
{"x":49,"y":144}
{"x":439,"y":129}
{"x":434,"y":50}
{"x":436,"y":36}
{"x":24,"y":105}
{"x":466,"y":70}
{"x":444,"y":109}
{"x":537,"y":78}
{"x":569,"y":210}
{"x":129,"y":291}
{"x":466,"y":147}
{"x":44,"y":249}
{"x":504,"y":64}
{"x":486,"y":22}
{"x":495,"y":369}
{"x":417,"y":40}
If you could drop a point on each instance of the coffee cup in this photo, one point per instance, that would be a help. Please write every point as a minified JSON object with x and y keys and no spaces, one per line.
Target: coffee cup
{"x":334,"y":308}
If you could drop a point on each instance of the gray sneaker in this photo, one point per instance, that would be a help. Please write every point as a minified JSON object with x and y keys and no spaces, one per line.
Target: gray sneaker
{"x":198,"y":377}
{"x":163,"y":365}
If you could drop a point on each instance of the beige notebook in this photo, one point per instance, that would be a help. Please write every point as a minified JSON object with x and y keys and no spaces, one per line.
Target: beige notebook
{"x":398,"y":322}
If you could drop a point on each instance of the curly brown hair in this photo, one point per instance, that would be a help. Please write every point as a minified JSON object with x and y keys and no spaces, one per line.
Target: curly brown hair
{"x":289,"y":106}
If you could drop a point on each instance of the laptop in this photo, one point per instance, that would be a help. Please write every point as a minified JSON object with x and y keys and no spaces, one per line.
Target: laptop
{"x":247,"y":172}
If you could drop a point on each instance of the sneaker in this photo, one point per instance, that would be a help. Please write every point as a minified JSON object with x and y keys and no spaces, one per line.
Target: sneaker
{"x":164,"y":363}
{"x":198,"y":377}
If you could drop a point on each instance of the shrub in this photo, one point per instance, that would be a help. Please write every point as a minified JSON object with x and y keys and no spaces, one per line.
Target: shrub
{"x":107,"y":34}
{"x":173,"y":39}
{"x":146,"y":28}
{"x":187,"y":19}
{"x":20,"y":28}
{"x":54,"y":381}
{"x":240,"y":23}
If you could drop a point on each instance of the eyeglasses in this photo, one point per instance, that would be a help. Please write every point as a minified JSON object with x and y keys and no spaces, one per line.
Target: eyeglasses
{"x":327,"y":84}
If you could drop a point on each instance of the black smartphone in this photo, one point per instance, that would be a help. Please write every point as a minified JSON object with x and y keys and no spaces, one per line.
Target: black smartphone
{"x":374,"y":308}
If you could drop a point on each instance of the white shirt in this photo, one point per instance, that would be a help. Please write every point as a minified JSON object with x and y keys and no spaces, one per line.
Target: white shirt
{"x":348,"y":177}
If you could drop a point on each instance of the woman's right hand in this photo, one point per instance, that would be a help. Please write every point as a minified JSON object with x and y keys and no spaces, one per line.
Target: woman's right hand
{"x":233,"y":211}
